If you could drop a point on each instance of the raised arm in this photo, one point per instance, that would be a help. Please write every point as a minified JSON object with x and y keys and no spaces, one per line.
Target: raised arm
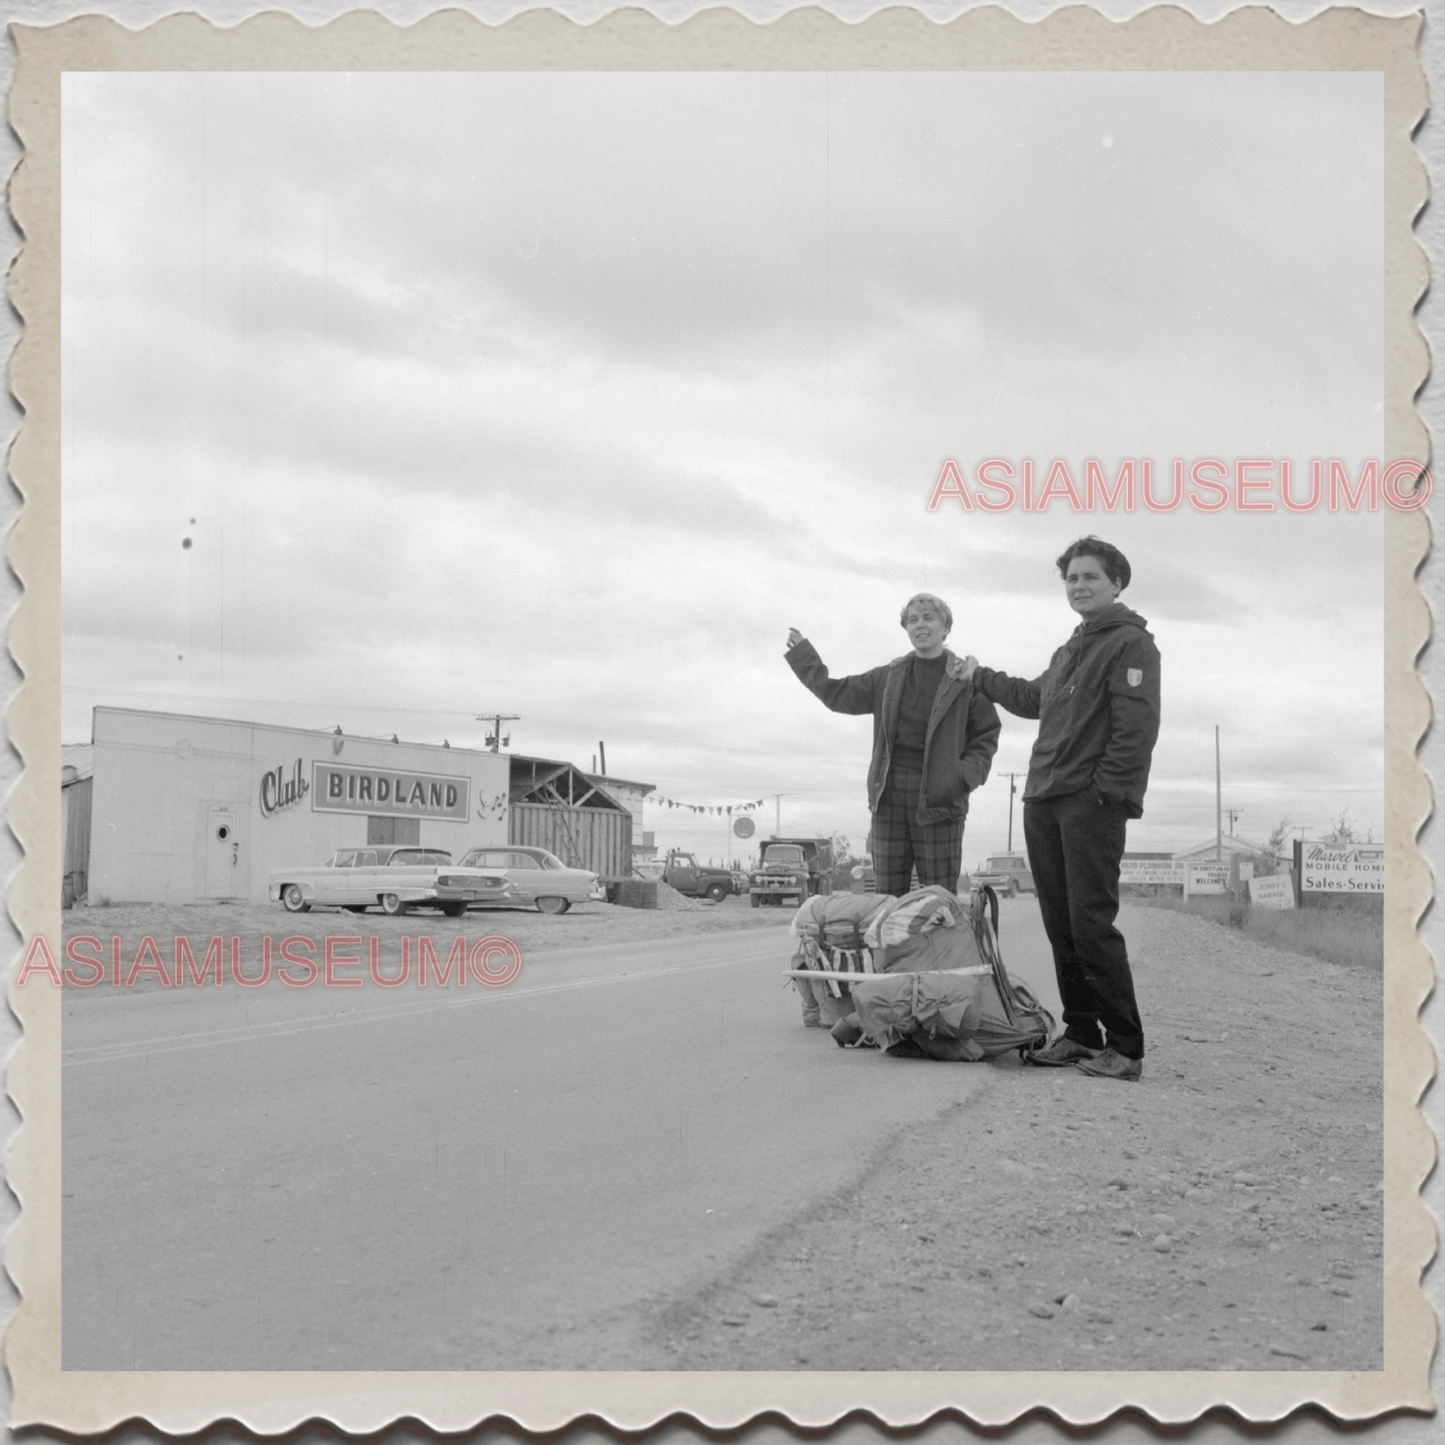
{"x":1011,"y":693}
{"x":842,"y":694}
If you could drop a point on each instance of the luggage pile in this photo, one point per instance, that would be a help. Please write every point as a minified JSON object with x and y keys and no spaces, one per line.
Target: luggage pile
{"x":921,"y":974}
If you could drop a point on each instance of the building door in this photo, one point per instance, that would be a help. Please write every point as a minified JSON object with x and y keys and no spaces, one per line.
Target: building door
{"x":223,"y":853}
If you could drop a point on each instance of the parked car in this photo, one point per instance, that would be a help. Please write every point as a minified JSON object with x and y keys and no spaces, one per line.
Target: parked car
{"x":393,"y":877}
{"x":538,"y":876}
{"x":1005,"y":873}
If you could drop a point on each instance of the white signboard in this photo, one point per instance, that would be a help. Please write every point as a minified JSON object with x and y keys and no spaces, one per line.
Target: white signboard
{"x":1342,"y":868}
{"x":1272,"y":893}
{"x":1206,"y":878}
{"x":1152,"y":870}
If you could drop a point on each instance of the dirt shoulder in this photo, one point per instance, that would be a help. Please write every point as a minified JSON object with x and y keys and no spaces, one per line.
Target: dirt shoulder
{"x":1225,"y":1213}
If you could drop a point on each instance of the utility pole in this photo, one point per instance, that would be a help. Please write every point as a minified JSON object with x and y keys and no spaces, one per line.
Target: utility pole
{"x":1218,"y":802}
{"x":1233,"y":814}
{"x":1012,"y":789}
{"x":778,"y":825}
{"x":497,"y":719}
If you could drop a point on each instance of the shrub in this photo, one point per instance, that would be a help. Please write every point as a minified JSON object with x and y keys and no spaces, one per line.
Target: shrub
{"x":1347,"y":931}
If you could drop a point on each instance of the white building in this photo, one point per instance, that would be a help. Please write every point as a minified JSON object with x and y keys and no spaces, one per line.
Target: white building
{"x":190,"y":808}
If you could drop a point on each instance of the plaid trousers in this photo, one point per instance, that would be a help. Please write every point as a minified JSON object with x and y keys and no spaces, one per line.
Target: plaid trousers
{"x":900,"y":843}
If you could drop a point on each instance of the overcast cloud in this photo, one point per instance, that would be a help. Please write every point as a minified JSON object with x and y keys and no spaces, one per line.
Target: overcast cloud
{"x":566,"y":395}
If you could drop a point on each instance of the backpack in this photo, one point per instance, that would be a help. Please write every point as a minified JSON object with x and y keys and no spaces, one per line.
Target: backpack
{"x":939,"y":979}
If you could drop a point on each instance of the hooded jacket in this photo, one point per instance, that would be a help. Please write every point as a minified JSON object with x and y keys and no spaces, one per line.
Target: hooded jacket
{"x":1098,"y":711}
{"x":962,"y":734}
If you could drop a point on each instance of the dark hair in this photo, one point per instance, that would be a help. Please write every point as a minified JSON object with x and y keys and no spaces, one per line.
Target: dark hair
{"x":1116,"y":564}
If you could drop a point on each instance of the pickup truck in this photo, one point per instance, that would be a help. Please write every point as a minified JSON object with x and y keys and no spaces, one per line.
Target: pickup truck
{"x":790,"y":870}
{"x":695,"y":880}
{"x":1006,"y":873}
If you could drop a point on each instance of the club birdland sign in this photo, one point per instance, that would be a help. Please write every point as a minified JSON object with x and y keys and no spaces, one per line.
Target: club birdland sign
{"x":345,"y":788}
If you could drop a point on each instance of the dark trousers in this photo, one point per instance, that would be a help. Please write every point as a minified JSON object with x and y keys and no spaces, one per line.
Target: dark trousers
{"x":901,"y":843}
{"x":1075,"y":845}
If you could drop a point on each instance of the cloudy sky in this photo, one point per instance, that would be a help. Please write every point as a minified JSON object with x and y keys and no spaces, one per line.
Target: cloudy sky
{"x":390,"y":399}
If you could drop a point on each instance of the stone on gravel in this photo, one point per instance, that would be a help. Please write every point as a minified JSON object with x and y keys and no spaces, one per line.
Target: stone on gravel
{"x":766,"y":1301}
{"x":1043,"y":1311}
{"x":1163,"y":1244}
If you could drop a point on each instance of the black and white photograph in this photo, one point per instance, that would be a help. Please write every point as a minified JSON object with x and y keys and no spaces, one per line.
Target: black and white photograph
{"x":552,"y":558}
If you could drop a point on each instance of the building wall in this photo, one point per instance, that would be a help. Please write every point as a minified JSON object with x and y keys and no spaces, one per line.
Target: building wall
{"x":188,"y":808}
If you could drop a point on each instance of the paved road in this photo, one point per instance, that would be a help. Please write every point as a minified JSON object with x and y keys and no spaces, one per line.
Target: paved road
{"x":276,"y":1179}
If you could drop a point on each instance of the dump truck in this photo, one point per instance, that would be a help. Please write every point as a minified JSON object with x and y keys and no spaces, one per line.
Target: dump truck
{"x":790,"y":870}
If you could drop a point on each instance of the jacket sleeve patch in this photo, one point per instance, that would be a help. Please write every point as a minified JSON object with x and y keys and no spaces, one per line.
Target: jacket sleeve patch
{"x":1135,"y":676}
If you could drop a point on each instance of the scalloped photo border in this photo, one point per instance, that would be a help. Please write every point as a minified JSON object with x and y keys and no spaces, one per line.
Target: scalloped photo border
{"x":1254,"y":39}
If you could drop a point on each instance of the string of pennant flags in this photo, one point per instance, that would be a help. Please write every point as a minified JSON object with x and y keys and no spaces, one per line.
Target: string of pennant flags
{"x":716,"y":809}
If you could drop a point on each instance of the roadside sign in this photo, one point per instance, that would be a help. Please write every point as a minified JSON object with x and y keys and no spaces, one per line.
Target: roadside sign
{"x":1341,"y":868}
{"x":1206,"y":878}
{"x":1276,"y":893}
{"x":1152,"y":870}
{"x":745,"y":827}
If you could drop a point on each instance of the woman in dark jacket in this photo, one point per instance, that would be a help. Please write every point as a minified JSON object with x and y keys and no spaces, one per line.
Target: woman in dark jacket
{"x":1098,"y":711}
{"x":933,"y":739}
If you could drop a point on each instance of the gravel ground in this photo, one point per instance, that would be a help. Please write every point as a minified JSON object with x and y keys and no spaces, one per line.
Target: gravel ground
{"x":1225,"y":1213}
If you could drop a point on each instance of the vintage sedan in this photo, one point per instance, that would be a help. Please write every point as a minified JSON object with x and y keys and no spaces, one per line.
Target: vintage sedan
{"x":538,"y":876}
{"x":393,"y":877}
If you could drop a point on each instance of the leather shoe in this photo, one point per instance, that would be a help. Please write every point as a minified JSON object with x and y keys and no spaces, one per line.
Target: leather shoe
{"x":1061,"y":1053}
{"x":1112,"y":1065}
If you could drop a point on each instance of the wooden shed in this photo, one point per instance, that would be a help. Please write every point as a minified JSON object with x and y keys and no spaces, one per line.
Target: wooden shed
{"x":556,"y":806}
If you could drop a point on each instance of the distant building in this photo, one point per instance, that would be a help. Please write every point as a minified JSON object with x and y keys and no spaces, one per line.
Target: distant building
{"x":1231,"y":847}
{"x":171,"y":808}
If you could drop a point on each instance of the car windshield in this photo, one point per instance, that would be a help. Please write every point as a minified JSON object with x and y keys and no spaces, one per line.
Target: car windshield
{"x":550,"y":860}
{"x":1002,"y":865}
{"x":411,"y":857}
{"x":788,"y":857}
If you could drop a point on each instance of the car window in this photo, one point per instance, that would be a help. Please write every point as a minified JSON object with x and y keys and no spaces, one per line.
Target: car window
{"x":364,"y":858}
{"x":484,"y":858}
{"x":523,"y":860}
{"x":551,"y":860}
